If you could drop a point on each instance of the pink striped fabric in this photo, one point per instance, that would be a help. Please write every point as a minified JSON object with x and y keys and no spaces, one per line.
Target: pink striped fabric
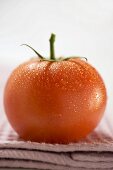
{"x":95,"y":152}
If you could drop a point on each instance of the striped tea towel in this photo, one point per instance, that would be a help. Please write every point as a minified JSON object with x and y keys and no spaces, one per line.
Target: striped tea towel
{"x":95,"y":152}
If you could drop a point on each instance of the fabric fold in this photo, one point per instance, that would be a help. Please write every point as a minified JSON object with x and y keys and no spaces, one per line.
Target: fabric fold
{"x":95,"y":152}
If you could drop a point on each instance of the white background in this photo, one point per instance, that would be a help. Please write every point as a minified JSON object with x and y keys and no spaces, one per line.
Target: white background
{"x":82,"y":27}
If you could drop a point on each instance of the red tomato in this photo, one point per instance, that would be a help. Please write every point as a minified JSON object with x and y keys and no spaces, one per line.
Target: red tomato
{"x":54,"y":101}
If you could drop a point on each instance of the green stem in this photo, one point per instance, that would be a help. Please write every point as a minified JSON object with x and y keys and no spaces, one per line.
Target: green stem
{"x":52,"y":52}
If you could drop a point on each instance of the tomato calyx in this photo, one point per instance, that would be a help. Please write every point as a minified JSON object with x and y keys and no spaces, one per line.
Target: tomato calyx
{"x":39,"y":55}
{"x":73,"y":57}
{"x":52,"y":52}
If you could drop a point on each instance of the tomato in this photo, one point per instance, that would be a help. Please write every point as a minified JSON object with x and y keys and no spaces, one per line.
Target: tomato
{"x":54,"y":101}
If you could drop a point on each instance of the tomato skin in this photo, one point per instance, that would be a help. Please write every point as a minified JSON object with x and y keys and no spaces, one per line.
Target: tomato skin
{"x":54,"y":102}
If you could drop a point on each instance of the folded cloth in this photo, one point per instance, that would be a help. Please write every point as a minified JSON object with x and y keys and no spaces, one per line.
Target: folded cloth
{"x":95,"y":152}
